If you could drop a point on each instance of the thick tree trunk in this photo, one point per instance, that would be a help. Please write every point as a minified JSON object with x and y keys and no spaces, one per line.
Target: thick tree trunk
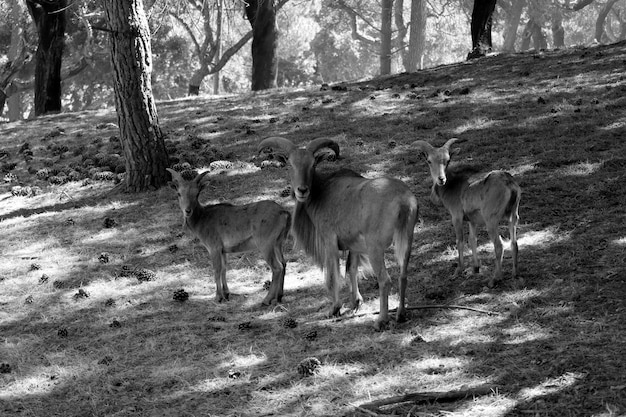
{"x":262,"y":17}
{"x":385,"y":37}
{"x":49,"y":18}
{"x":417,"y":34}
{"x":511,"y":25}
{"x":140,"y":135}
{"x":600,"y":32}
{"x":533,"y":32}
{"x":481,"y":27}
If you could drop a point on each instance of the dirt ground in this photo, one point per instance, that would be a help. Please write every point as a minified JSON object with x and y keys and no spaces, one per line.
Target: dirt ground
{"x":91,"y":317}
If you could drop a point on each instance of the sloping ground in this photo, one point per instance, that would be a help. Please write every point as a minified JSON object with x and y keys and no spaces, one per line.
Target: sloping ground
{"x":89,"y":326}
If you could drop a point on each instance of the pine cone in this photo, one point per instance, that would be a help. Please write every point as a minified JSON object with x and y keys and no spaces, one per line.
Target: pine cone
{"x":5,"y":368}
{"x":35,"y":267}
{"x":109,"y":303}
{"x":145,"y":275}
{"x":81,"y":294}
{"x":44,"y":278}
{"x":180,"y":295}
{"x":246,"y":325}
{"x":309,"y":366}
{"x":288,"y":322}
{"x":62,"y":332}
{"x":310,"y":335}
{"x":115,"y":324}
{"x":109,"y":222}
{"x":103,"y":258}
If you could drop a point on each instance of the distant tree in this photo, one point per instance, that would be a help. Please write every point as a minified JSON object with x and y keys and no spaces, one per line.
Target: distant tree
{"x":131,"y":56}
{"x":385,"y":36}
{"x":50,"y":21}
{"x":513,"y":12}
{"x":482,"y":16}
{"x":262,"y":17}
{"x":417,"y":35}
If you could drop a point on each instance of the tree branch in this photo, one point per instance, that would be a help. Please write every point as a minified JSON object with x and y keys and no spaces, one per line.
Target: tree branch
{"x":421,"y":397}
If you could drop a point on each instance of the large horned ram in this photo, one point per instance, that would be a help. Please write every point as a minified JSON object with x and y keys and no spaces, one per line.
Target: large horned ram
{"x":226,"y":228}
{"x":484,"y":201}
{"x":345,"y":211}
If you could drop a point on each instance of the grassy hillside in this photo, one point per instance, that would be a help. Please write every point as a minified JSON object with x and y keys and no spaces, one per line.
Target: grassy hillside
{"x":89,"y":325}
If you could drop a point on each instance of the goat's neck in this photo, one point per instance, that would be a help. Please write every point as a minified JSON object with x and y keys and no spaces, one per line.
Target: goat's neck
{"x":193,"y":221}
{"x":448,"y":194}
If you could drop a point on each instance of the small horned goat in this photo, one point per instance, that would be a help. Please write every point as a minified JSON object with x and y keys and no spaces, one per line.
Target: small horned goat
{"x":225,"y":228}
{"x":345,"y":211}
{"x":485,"y":201}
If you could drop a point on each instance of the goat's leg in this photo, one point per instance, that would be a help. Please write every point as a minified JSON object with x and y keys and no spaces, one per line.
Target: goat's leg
{"x":221,"y":288}
{"x":513,"y":235}
{"x":352,"y":269}
{"x":458,"y":231}
{"x":473,"y":244}
{"x":276,"y":262}
{"x":377,"y":260}
{"x":492,"y":229}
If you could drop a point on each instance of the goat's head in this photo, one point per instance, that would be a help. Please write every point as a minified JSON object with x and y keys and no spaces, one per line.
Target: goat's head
{"x":437,"y":158}
{"x":300,"y":160}
{"x":187,"y":191}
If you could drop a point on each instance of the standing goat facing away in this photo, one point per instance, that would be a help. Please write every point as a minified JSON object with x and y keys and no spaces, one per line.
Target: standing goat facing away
{"x":485,"y":201}
{"x":345,"y":211}
{"x":226,"y":228}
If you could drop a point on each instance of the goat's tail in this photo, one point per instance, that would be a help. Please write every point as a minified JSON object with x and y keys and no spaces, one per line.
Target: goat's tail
{"x":403,"y":234}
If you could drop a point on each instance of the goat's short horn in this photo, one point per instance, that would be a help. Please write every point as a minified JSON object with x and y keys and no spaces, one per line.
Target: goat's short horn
{"x":319,"y":143}
{"x":422,"y":146}
{"x":449,"y":143}
{"x":277,"y":143}
{"x":200,"y":176}
{"x":175,"y":175}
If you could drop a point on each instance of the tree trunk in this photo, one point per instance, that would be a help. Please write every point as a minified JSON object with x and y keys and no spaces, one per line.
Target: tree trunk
{"x":417,"y":34}
{"x":262,"y":17}
{"x":558,"y":32}
{"x":533,"y":31}
{"x":385,"y":37}
{"x":511,"y":25}
{"x":600,"y":32}
{"x":481,"y":27}
{"x":49,"y":18}
{"x":131,"y":56}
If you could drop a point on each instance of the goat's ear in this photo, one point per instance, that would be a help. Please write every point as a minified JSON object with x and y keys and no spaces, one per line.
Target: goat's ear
{"x":173,"y":185}
{"x":455,"y":151}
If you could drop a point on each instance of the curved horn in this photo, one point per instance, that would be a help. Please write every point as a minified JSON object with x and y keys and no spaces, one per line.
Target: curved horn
{"x":422,"y":146}
{"x":175,"y":175}
{"x":277,"y":143}
{"x":199,"y":177}
{"x":449,"y":143}
{"x":319,"y":143}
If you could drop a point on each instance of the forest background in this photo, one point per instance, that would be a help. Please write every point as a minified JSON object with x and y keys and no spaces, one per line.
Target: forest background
{"x":201,"y":46}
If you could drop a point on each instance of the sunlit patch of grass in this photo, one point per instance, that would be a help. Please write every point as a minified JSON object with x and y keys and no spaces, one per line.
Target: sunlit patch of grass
{"x":580,"y":169}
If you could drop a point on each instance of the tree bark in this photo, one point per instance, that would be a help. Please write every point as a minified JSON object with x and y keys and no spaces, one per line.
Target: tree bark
{"x":512,"y":24}
{"x":600,"y":32}
{"x":558,"y":32}
{"x":49,"y":18}
{"x":417,"y":34}
{"x":262,"y":17}
{"x":140,"y":134}
{"x":533,"y":32}
{"x":481,"y":27}
{"x":385,"y":37}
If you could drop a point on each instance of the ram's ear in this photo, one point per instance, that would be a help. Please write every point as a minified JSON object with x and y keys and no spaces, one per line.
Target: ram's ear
{"x":454,"y":151}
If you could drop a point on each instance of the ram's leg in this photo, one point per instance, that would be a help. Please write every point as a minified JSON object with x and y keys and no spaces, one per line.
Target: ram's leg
{"x":377,"y":260}
{"x":513,"y":235}
{"x":332,"y":277}
{"x":473,"y":244}
{"x":352,"y":270}
{"x":275,"y":260}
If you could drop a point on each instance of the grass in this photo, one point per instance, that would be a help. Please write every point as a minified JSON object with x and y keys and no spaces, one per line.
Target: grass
{"x":124,"y":346}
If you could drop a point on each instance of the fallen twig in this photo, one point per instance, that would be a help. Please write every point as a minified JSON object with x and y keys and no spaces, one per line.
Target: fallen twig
{"x":419,"y":397}
{"x":450,"y":306}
